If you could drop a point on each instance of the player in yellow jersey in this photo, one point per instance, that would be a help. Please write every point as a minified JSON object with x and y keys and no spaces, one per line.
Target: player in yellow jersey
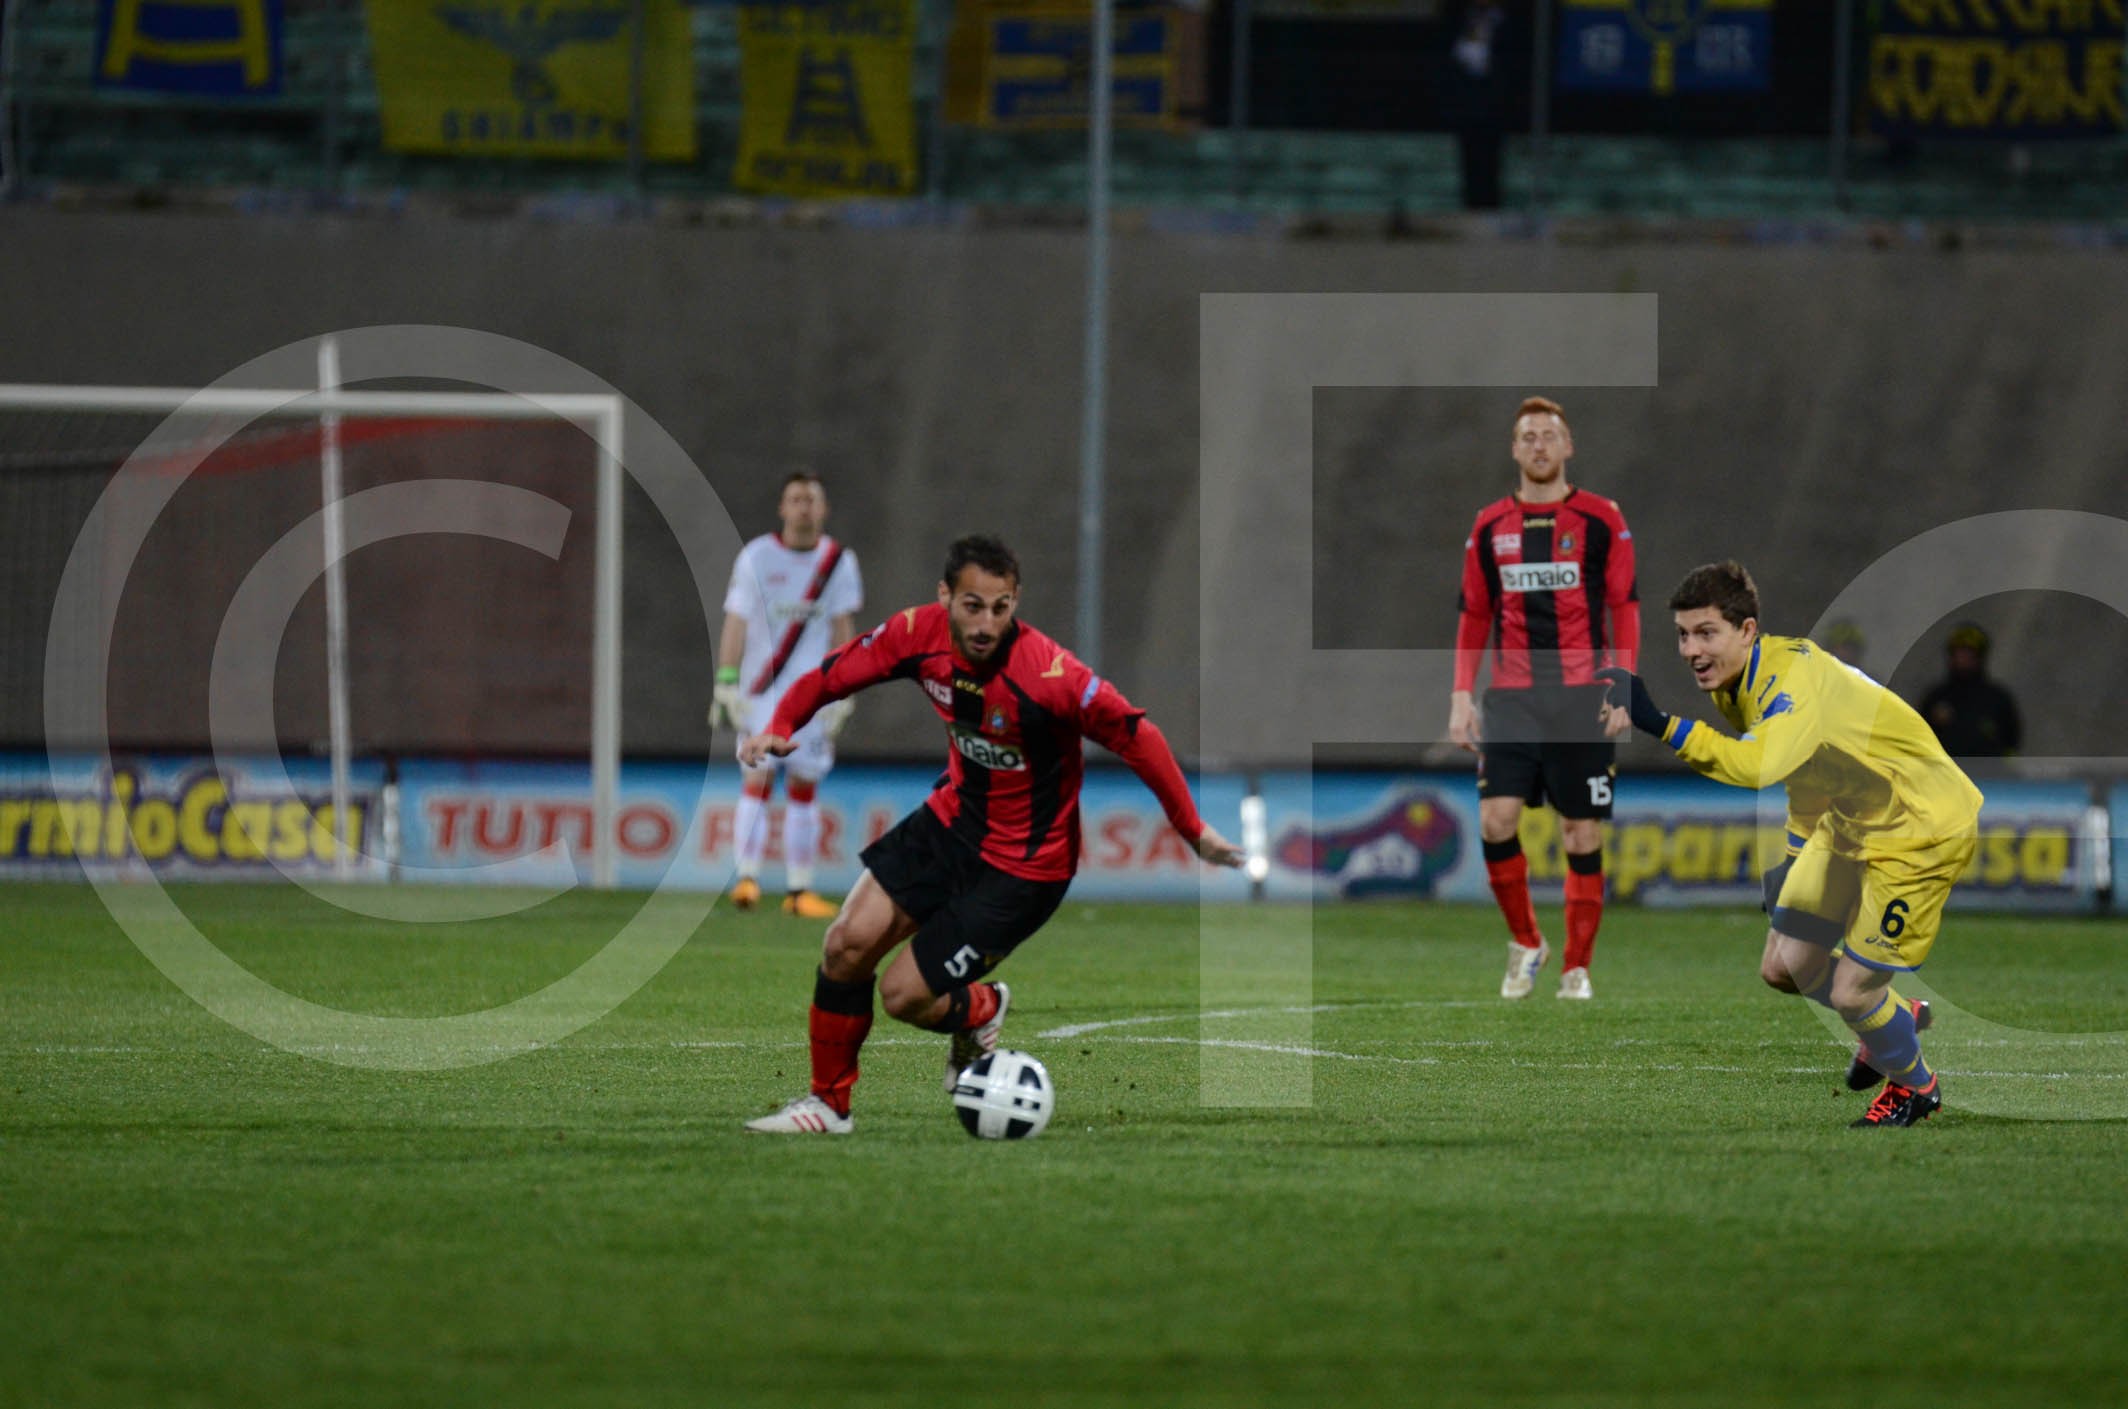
{"x":1880,"y":820}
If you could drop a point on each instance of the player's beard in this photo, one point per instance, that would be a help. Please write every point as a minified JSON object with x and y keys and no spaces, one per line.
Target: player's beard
{"x":963,"y":643}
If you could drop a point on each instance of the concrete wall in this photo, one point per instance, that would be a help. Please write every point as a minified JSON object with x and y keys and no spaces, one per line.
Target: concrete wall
{"x":1817,"y":407}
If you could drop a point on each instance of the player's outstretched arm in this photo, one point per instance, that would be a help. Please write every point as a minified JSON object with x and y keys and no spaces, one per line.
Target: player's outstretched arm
{"x":1630,"y":694}
{"x":759,"y":748}
{"x":862,"y":663}
{"x":1112,"y":722}
{"x":1782,"y":742}
{"x":1217,"y":849}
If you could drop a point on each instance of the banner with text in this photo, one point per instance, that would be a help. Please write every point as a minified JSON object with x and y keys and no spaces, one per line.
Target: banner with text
{"x":1983,"y":68}
{"x":1671,"y":841}
{"x":827,"y":107}
{"x":531,"y":824}
{"x":181,"y":817}
{"x":1666,"y":46}
{"x":1332,"y":835}
{"x":542,"y":78}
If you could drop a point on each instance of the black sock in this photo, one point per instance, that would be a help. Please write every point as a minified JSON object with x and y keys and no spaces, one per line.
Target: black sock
{"x":850,"y":999}
{"x":956,"y":1018}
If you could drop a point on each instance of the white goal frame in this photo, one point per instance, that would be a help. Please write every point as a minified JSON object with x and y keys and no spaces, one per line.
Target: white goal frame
{"x":600,"y":414}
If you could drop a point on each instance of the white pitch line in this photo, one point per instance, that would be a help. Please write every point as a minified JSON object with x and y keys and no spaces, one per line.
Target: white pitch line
{"x":1281,"y":1048}
{"x":1076,"y":1029}
{"x":1595,"y":1066}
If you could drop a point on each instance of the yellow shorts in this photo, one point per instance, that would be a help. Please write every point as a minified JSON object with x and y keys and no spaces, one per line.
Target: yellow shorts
{"x":1886,"y":909}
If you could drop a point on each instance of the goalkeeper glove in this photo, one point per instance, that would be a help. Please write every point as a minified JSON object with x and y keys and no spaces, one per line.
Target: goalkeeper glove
{"x":727,"y":703}
{"x":833,"y":715}
{"x":1630,"y":695}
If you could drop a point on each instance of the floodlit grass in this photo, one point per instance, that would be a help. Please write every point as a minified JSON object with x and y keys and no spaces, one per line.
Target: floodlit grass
{"x":1648,"y":1199}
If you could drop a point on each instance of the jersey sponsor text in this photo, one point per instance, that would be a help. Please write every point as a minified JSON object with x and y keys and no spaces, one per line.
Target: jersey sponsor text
{"x":1539,"y":577}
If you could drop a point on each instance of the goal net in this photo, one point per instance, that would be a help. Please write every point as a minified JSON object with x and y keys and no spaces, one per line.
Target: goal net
{"x":336,"y":577}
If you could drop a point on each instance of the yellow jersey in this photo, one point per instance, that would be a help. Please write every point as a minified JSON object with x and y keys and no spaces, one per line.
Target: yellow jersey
{"x":1851,"y":752}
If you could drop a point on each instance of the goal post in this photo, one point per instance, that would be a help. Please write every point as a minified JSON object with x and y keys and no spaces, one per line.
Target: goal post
{"x":600,"y":415}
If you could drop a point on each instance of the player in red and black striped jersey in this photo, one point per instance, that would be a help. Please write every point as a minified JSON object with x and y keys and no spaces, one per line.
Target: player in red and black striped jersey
{"x":1548,"y":591}
{"x":987,"y":858}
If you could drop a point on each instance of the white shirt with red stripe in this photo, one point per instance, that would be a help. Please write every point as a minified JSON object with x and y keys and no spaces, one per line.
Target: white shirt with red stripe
{"x":787,"y":610}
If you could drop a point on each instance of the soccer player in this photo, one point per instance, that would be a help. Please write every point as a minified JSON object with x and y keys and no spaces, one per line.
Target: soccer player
{"x":1880,"y":820}
{"x":794,"y":596}
{"x":1548,"y":581}
{"x":986,"y":859}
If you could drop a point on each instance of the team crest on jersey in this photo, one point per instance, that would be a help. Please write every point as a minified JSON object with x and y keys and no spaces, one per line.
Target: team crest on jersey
{"x":997,"y":721}
{"x":1566,"y":542}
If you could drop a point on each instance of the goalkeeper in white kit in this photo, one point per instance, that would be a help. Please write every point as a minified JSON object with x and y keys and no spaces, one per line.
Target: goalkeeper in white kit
{"x":794,"y":596}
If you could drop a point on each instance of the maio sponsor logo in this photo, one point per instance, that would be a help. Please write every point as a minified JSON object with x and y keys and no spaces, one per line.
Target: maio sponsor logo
{"x":1540,"y":577}
{"x":999,"y":758}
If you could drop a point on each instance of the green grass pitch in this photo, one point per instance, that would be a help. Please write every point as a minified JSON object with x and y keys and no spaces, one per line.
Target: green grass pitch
{"x":1651,"y":1199}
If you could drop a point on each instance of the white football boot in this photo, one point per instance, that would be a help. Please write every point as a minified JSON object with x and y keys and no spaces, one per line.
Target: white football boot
{"x":808,"y":1115}
{"x":977,"y":1042}
{"x":1522,"y":966}
{"x":1574,"y":983}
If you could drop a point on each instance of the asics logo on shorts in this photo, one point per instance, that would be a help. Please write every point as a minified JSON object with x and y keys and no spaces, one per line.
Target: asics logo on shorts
{"x":1540,"y":577}
{"x":999,"y":758}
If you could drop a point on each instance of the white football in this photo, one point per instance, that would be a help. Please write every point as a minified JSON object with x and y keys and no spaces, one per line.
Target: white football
{"x":1004,"y":1096}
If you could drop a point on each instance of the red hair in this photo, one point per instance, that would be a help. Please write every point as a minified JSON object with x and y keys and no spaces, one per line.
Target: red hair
{"x":1540,"y":406}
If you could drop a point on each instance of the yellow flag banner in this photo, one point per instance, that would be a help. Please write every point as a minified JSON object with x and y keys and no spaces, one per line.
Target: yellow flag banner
{"x":826,"y":106}
{"x":541,"y":78}
{"x":1984,"y":68}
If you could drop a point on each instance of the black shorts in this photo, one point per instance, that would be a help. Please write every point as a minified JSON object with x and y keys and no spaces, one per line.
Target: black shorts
{"x":1574,"y":778}
{"x":969,"y":914}
{"x":1548,"y":748}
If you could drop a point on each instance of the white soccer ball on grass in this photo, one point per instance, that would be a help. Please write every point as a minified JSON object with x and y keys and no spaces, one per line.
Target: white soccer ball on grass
{"x":1005,"y":1095}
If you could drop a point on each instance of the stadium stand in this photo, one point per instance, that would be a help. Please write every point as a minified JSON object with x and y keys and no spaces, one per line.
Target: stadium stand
{"x":322,"y":135}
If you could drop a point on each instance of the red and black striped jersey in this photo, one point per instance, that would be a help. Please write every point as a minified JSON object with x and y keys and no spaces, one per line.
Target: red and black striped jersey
{"x":1013,"y":725}
{"x":1550,"y":588}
